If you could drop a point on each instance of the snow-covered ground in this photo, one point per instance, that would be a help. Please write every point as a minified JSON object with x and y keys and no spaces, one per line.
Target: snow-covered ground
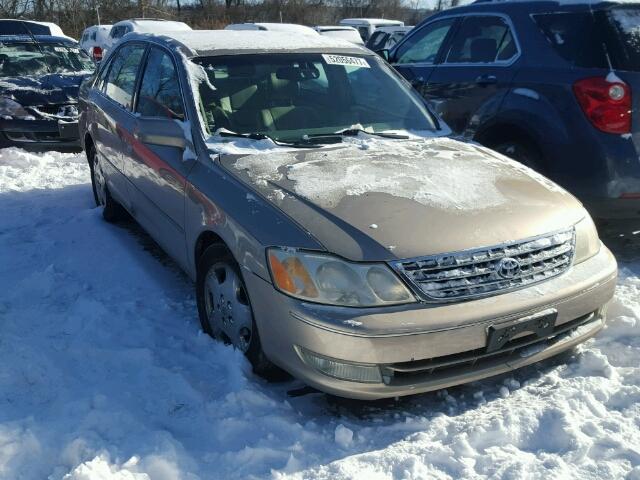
{"x":104,"y":374}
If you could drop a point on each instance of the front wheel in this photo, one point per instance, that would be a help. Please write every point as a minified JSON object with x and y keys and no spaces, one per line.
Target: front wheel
{"x":111,"y":210}
{"x":225,"y":309}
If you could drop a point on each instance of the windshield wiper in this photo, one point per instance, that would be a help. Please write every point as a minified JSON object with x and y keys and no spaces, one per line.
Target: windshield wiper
{"x":262,"y":136}
{"x":353,"y":132}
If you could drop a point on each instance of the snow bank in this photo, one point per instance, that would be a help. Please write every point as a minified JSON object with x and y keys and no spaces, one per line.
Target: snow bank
{"x":104,"y":375}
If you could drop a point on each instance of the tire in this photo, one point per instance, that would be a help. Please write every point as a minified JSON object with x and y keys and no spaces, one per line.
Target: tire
{"x":225,"y":309}
{"x":520,"y":152}
{"x":112,"y":211}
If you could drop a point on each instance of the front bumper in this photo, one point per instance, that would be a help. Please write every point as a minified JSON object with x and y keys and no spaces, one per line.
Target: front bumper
{"x":407,"y":342}
{"x":39,"y":135}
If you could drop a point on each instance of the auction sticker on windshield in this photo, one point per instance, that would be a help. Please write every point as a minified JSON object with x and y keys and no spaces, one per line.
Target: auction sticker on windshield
{"x":344,"y":60}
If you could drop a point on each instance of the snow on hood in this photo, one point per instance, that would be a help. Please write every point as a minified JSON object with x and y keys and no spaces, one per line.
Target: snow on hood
{"x":49,"y":88}
{"x":439,"y":172}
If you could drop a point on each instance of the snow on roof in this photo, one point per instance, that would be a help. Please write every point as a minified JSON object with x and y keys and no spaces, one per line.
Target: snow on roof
{"x":154,"y":25}
{"x":209,"y":40}
{"x":371,"y":21}
{"x":274,"y":27}
{"x":326,"y":28}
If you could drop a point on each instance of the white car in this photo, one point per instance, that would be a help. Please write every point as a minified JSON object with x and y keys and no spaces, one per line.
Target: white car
{"x":94,"y":40}
{"x":349,"y":34}
{"x":366,"y":26}
{"x":143,"y":25}
{"x":273,"y":27}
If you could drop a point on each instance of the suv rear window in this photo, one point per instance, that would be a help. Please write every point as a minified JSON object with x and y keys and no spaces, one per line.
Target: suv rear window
{"x":592,"y":39}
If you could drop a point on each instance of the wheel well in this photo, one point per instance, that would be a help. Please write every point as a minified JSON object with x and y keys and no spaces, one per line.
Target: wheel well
{"x":205,"y":240}
{"x":497,"y":134}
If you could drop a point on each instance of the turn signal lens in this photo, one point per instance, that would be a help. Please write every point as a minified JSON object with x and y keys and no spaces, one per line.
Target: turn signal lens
{"x":280,"y":275}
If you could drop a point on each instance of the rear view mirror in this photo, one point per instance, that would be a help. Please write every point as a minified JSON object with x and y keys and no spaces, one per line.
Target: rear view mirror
{"x":161,"y":131}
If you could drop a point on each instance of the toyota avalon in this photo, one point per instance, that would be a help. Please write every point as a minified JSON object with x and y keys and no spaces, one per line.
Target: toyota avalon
{"x":332,"y":228}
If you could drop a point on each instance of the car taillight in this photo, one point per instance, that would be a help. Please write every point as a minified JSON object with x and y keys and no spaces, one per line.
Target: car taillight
{"x":606,"y":104}
{"x":97,"y":54}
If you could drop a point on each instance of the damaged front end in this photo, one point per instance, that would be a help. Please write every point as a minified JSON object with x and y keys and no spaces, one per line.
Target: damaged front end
{"x":46,"y":126}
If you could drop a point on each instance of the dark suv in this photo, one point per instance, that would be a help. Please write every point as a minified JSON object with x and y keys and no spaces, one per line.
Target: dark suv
{"x":554,"y":85}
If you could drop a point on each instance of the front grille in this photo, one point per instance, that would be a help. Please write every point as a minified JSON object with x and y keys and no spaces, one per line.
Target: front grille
{"x":467,"y":362}
{"x":56,"y":111}
{"x":491,"y":270}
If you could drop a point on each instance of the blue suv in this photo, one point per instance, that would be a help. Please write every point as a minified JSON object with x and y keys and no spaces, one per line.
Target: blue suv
{"x":552,"y":84}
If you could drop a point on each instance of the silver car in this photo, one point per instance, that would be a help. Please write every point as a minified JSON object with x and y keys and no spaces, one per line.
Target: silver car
{"x":331,"y":227}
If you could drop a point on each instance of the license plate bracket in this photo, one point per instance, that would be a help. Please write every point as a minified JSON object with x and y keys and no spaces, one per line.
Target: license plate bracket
{"x":540,"y":324}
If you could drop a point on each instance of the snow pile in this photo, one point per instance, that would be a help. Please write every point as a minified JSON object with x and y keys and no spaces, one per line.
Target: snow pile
{"x":104,"y":375}
{"x":438,"y":172}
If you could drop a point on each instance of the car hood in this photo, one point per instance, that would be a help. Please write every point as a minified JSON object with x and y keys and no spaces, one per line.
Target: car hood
{"x":390,"y":199}
{"x":42,"y":90}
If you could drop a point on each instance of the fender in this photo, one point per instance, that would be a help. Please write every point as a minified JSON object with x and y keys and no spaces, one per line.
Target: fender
{"x":268,"y":225}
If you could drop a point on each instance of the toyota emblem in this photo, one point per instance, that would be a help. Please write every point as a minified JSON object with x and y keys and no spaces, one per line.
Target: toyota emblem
{"x":508,"y":267}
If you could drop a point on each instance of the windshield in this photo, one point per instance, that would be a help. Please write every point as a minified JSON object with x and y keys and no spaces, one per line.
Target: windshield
{"x":288,"y":96}
{"x":31,"y":59}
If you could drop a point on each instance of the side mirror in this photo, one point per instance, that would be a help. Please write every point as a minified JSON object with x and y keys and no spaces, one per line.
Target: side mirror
{"x":384,"y":53}
{"x":162,"y":132}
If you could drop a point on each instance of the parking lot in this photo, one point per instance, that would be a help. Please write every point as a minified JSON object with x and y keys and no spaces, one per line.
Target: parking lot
{"x":311,"y":257}
{"x":104,"y":372}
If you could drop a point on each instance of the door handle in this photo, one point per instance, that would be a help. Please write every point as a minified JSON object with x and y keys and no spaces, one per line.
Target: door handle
{"x":487,"y":80}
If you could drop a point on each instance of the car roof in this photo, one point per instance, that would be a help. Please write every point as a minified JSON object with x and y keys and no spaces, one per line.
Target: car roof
{"x":155,"y":23}
{"x":275,"y":27}
{"x":532,"y":6}
{"x":370,"y":21}
{"x":229,"y":42}
{"x":329,"y":28}
{"x":39,"y":38}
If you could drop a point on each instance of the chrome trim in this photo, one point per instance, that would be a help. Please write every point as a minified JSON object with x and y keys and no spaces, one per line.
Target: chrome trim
{"x":436,"y":272}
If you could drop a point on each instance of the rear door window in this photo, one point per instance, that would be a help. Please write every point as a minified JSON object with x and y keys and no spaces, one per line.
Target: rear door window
{"x":123,"y":73}
{"x":160,"y":94}
{"x":423,"y":46}
{"x":482,"y":39}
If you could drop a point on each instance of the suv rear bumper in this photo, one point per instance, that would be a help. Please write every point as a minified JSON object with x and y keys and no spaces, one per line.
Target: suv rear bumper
{"x":415,"y":339}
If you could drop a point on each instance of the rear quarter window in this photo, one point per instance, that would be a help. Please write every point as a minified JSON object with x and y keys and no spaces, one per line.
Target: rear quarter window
{"x":574,"y":36}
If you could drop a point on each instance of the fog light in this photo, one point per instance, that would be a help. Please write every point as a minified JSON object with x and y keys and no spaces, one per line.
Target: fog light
{"x":354,"y":372}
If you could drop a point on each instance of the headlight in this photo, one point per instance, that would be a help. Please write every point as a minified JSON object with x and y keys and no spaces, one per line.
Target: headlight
{"x":10,"y":109}
{"x":587,"y":240}
{"x":323,"y":278}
